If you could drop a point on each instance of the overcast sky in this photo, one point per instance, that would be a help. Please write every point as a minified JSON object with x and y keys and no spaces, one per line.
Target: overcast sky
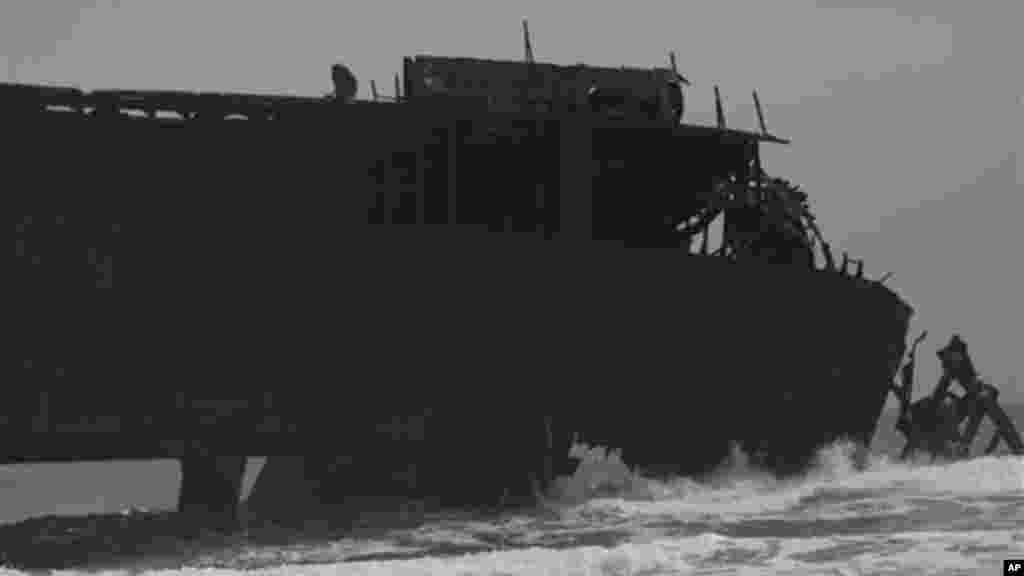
{"x":907,"y":123}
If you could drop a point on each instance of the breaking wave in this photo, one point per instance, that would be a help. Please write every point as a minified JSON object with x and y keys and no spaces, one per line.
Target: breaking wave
{"x":849,"y":514}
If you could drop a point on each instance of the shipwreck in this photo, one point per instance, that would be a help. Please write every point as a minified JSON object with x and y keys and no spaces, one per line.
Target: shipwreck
{"x":430,"y":294}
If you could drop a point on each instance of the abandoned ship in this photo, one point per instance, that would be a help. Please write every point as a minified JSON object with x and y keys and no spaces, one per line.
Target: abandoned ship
{"x":440,"y":291}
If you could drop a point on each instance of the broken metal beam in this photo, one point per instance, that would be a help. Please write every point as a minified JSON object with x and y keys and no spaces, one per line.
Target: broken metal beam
{"x":760,"y":114}
{"x":719,"y":112}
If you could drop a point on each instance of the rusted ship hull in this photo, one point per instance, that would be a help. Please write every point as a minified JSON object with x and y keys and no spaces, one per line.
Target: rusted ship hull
{"x":337,"y":275}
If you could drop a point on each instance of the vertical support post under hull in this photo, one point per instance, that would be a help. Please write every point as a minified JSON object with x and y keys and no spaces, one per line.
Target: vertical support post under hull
{"x":210,"y":489}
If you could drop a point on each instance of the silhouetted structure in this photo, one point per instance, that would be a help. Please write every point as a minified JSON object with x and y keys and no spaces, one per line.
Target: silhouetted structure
{"x":934,"y":422}
{"x":345,"y":85}
{"x":481,"y":270}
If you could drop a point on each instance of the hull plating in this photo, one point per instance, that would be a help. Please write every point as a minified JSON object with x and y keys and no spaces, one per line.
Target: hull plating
{"x":240,"y":263}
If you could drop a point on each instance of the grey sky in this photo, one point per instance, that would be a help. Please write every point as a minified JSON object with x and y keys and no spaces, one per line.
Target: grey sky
{"x":907,"y":122}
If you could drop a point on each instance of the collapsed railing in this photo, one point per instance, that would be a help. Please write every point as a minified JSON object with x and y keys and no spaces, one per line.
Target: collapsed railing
{"x":151,"y":103}
{"x":785,"y":224}
{"x":944,"y":423}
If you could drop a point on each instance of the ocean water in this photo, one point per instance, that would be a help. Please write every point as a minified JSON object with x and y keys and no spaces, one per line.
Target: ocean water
{"x":888,"y":518}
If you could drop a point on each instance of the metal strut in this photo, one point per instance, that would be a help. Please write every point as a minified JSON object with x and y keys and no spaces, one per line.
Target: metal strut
{"x":945,"y":423}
